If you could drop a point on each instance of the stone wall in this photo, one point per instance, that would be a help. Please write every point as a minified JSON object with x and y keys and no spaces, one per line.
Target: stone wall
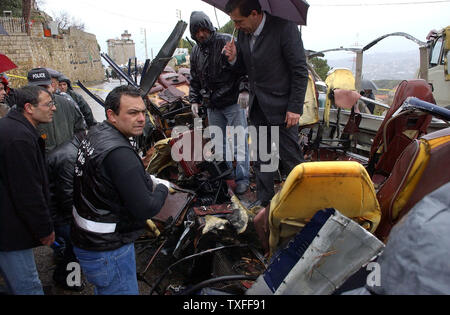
{"x":76,"y":54}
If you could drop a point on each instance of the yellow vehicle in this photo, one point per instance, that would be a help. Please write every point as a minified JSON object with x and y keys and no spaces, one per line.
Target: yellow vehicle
{"x":438,"y":68}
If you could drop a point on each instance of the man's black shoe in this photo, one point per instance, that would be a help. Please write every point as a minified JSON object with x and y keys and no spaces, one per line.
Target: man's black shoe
{"x":76,"y":288}
{"x":61,"y":282}
{"x":48,"y":290}
{"x":241,"y":189}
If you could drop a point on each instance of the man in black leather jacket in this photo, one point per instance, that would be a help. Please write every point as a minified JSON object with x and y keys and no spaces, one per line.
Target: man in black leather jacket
{"x":61,"y":169}
{"x":217,"y":87}
{"x":113,"y":196}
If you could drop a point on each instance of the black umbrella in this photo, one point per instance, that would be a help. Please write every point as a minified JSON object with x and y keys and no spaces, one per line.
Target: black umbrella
{"x":368,"y":85}
{"x":292,"y":10}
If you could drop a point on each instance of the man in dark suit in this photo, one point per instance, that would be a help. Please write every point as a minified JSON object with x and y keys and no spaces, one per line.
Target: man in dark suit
{"x":270,"y":50}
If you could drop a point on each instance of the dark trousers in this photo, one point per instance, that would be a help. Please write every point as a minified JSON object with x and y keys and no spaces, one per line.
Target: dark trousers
{"x":289,"y":150}
{"x":64,"y":253}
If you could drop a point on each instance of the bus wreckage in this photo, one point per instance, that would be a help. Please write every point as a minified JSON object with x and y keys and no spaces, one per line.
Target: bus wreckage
{"x":329,"y":220}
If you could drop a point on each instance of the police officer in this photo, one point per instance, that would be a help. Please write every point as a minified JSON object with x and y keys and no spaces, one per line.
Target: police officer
{"x":67,"y":119}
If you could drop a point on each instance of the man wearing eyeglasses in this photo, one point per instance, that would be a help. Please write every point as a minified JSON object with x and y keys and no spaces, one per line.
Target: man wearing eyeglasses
{"x":67,"y":119}
{"x":3,"y":107}
{"x":25,"y":220}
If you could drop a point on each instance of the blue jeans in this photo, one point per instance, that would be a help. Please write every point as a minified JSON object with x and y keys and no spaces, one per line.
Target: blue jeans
{"x":111,"y":272}
{"x":233,"y":116}
{"x":18,"y":268}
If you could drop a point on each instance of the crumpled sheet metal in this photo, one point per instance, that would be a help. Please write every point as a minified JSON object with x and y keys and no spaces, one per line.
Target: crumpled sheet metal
{"x":336,"y":250}
{"x":174,"y":209}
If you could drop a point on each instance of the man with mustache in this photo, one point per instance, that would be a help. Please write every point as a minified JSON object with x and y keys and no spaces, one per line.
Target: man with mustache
{"x":113,"y":195}
{"x":25,"y":220}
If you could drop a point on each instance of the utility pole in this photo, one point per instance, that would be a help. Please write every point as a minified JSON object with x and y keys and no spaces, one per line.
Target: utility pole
{"x":145,"y":42}
{"x":218,"y":24}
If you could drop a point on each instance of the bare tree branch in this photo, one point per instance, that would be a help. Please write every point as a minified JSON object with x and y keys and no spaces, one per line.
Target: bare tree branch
{"x":65,"y":21}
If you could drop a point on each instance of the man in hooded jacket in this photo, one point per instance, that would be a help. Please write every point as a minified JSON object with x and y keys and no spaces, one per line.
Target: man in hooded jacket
{"x":217,"y":87}
{"x":65,"y":85}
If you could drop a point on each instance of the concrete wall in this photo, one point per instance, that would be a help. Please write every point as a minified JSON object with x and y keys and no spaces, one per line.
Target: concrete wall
{"x":75,"y":54}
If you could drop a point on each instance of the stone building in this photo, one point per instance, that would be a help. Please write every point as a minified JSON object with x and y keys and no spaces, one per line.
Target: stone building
{"x":121,"y":50}
{"x":72,"y":52}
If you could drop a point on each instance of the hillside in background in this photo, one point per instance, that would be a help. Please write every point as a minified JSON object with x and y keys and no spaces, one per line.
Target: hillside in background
{"x":383,"y":66}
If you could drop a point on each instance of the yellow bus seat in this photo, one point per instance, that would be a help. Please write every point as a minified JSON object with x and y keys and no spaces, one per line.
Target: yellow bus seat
{"x":310,"y":187}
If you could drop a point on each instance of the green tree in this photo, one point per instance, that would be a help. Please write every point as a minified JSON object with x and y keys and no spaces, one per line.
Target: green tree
{"x":320,"y":66}
{"x":11,"y":5}
{"x":184,"y":43}
{"x":227,"y":28}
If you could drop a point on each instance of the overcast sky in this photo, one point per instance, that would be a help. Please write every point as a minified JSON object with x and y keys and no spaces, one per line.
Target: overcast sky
{"x":331,"y":24}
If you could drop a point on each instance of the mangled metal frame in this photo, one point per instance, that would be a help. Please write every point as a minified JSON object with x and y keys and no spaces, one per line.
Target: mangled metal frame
{"x":149,"y":77}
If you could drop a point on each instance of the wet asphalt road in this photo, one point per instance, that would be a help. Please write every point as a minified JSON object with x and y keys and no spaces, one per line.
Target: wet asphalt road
{"x":102,"y":91}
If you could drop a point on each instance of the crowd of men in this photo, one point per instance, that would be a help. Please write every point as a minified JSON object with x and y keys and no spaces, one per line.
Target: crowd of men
{"x":68,"y":181}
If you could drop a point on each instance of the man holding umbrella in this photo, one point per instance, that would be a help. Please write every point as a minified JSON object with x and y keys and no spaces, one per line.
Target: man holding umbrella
{"x":270,"y":50}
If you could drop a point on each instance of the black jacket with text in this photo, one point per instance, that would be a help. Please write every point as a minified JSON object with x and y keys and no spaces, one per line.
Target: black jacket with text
{"x":96,"y":197}
{"x":61,"y":170}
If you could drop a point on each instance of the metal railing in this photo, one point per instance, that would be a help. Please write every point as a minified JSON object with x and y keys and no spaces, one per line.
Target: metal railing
{"x":13,"y":25}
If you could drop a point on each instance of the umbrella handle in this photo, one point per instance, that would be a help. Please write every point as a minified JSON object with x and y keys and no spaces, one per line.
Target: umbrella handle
{"x":232,"y":35}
